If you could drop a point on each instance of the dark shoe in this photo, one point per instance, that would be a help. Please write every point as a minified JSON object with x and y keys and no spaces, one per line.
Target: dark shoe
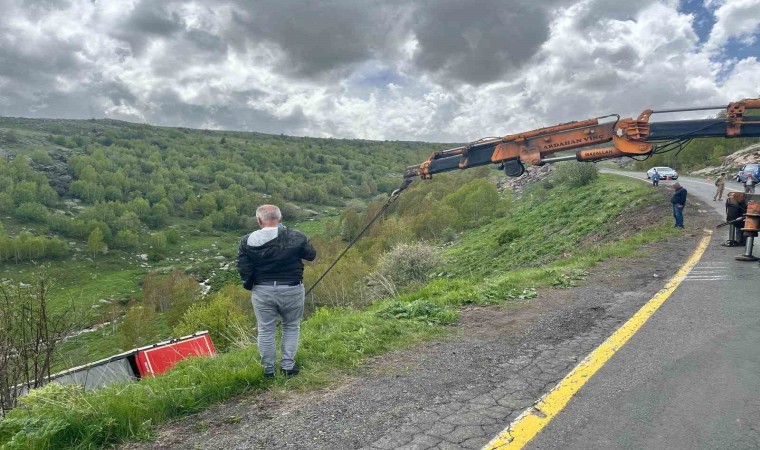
{"x":291,"y":372}
{"x":268,"y":374}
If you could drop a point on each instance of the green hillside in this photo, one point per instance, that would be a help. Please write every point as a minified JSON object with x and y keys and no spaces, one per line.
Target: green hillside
{"x":98,"y":205}
{"x":481,"y":247}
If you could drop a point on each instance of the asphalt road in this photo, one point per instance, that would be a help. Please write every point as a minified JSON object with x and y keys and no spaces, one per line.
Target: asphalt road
{"x":690,"y":377}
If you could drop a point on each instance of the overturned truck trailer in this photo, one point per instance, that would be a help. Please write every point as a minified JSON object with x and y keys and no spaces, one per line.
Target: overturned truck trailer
{"x":135,"y":364}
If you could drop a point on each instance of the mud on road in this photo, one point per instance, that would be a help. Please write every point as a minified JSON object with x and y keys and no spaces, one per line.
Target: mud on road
{"x":456,"y":392}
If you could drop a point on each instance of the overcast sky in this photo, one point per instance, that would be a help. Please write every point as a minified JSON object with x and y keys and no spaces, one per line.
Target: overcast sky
{"x":437,"y":70}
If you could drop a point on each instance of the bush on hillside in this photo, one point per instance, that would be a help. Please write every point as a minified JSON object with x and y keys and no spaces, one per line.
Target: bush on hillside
{"x":344,"y":284}
{"x":138,"y":327}
{"x":476,"y":203}
{"x":576,"y":174}
{"x":435,"y":223}
{"x":508,"y":235}
{"x":408,"y":263}
{"x":225,"y":316}
{"x":172,"y":294}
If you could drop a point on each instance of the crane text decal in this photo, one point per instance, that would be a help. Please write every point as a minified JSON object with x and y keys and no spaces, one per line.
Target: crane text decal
{"x":585,"y":140}
{"x":598,"y":153}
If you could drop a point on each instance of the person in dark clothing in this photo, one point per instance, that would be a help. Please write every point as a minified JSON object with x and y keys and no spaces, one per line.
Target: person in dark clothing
{"x":271,"y":267}
{"x":679,"y":202}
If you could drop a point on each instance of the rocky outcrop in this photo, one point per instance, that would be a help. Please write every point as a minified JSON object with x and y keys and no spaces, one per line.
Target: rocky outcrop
{"x":531,"y":175}
{"x":58,"y":171}
{"x":733,"y":162}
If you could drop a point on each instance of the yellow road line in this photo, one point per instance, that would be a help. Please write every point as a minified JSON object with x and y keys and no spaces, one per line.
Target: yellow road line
{"x":535,"y":418}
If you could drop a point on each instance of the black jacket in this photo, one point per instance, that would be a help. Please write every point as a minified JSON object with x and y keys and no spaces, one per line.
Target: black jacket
{"x":275,"y":260}
{"x":679,"y":197}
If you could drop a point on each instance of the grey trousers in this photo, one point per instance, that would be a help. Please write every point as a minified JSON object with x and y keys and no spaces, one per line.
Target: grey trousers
{"x":269,"y":302}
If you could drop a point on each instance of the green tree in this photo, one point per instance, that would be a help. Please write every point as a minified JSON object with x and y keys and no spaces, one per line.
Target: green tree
{"x":474,"y":202}
{"x":350,"y":224}
{"x":42,"y":157}
{"x":32,"y":211}
{"x":126,"y":239}
{"x":6,"y":203}
{"x":25,"y":192}
{"x":138,"y":327}
{"x":95,"y":243}
{"x":159,"y":214}
{"x":141,"y":207}
{"x":207,"y":204}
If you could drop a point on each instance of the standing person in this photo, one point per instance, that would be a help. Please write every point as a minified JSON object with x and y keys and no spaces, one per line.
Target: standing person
{"x":679,"y":202}
{"x":655,"y":178}
{"x":271,"y":267}
{"x":749,"y":183}
{"x":720,"y":184}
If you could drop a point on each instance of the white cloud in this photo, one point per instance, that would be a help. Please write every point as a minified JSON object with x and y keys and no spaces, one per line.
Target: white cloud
{"x":190,"y":64}
{"x":739,"y":19}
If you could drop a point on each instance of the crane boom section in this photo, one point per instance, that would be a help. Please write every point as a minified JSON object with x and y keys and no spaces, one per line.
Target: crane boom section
{"x":629,"y":137}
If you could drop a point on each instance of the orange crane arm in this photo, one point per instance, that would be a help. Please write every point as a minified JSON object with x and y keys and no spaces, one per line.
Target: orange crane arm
{"x":629,"y":137}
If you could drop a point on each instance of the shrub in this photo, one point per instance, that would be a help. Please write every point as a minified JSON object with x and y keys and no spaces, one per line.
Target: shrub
{"x":126,"y":239}
{"x":476,"y":202}
{"x":420,"y":310}
{"x":509,"y":235}
{"x":138,"y":327}
{"x":436,"y":222}
{"x":32,"y":211}
{"x":576,"y":174}
{"x":173,"y":294}
{"x":225,"y":318}
{"x":408,"y":263}
{"x":343,"y":286}
{"x":172,"y":236}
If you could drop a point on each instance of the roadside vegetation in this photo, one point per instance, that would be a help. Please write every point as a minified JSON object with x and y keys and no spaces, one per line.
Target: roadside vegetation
{"x":446,"y":243}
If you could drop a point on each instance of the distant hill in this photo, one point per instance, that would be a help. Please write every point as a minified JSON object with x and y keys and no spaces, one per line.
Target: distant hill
{"x":71,"y":176}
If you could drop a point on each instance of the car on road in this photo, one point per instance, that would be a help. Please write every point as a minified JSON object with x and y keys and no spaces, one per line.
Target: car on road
{"x":664,"y":173}
{"x":746,"y":170}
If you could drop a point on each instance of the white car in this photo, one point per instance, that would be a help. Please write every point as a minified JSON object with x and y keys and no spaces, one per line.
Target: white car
{"x":664,"y":172}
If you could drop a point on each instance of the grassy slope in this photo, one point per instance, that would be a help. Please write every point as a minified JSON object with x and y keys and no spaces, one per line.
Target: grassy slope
{"x":550,"y":225}
{"x":336,"y":340}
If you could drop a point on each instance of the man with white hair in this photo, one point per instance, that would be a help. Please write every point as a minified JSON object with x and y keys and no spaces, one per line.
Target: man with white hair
{"x":271,"y":267}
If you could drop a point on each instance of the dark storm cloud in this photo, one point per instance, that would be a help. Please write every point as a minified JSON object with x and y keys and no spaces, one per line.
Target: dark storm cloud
{"x":479,"y":41}
{"x":148,"y":20}
{"x":35,"y":60}
{"x":316,"y":37}
{"x":476,"y":42}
